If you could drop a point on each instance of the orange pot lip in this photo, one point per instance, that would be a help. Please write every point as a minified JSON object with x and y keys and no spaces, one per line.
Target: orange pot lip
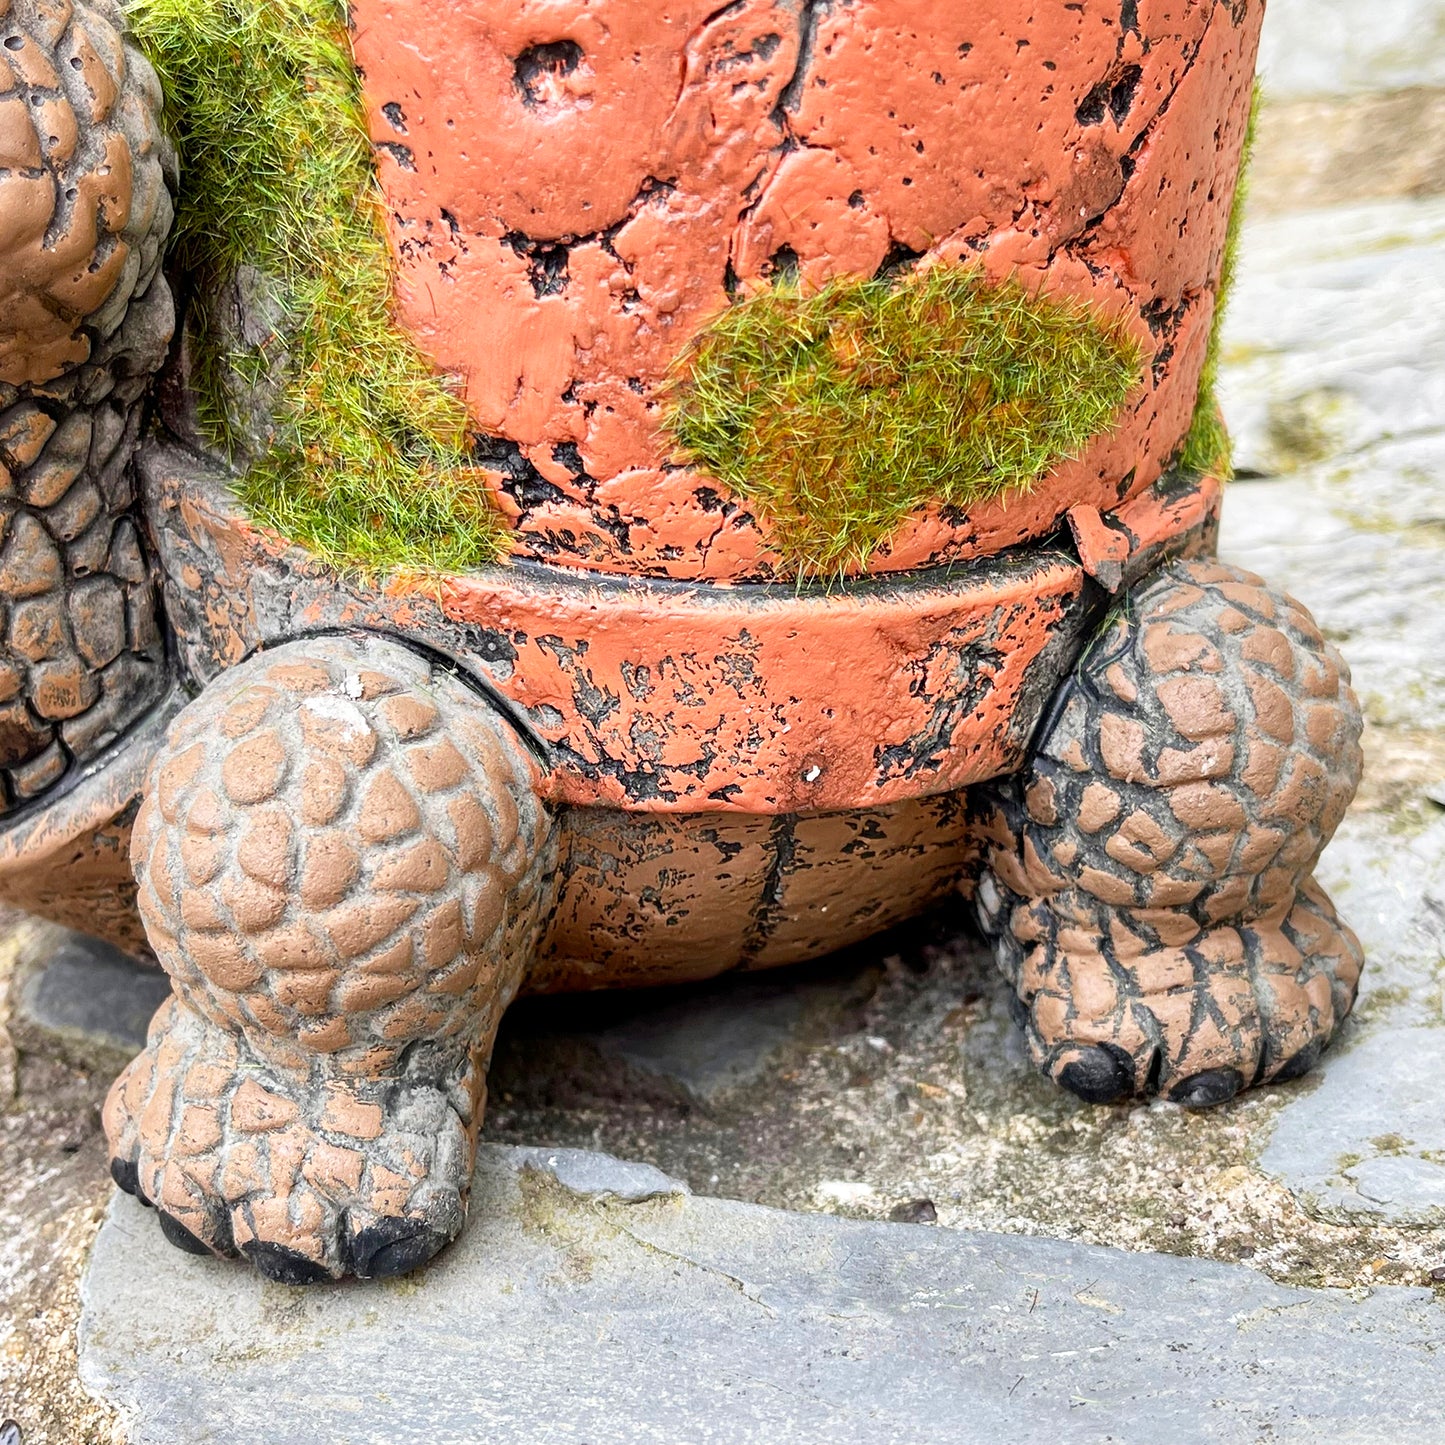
{"x":683,"y":697}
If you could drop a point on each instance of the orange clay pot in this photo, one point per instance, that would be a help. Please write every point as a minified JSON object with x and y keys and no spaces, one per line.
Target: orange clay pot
{"x":641,"y":162}
{"x":573,"y":188}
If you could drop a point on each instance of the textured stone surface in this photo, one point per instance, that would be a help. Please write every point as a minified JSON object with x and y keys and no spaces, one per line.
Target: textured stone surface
{"x":703,"y":1320}
{"x":1335,"y":387}
{"x":1371,"y":1138}
{"x":53,"y":1194}
{"x":1329,"y":47}
{"x":1336,"y":347}
{"x":1367,"y":1142}
{"x":1337,"y":382}
{"x":600,"y":1176}
{"x":78,"y":1000}
{"x":686,"y":1044}
{"x":1332,"y":152}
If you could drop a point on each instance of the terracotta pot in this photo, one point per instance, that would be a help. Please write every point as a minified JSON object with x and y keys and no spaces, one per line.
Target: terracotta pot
{"x":639,"y":750}
{"x":640,"y":164}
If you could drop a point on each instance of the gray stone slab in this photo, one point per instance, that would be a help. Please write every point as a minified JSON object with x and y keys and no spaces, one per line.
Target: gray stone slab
{"x":1334,"y":47}
{"x":1367,"y":1140}
{"x":1334,"y":378}
{"x":692,"y":1044}
{"x":708,"y":1048}
{"x":1370,"y":1138}
{"x":80,"y":1001}
{"x":1335,"y":335}
{"x":600,"y":1176}
{"x":1392,"y":889}
{"x":566,"y":1317}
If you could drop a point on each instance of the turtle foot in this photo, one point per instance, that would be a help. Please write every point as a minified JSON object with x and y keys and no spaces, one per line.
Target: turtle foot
{"x":309,"y":1178}
{"x":1148,"y":880}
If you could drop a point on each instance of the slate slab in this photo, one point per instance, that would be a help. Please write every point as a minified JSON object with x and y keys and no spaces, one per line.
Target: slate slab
{"x":567,"y":1316}
{"x":1335,"y":378}
{"x":80,"y":1001}
{"x":1370,"y":1139}
{"x":695,"y":1044}
{"x":1334,"y":342}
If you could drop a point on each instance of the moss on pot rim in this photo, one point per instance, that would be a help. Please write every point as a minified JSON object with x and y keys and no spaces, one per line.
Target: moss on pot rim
{"x":368,"y":464}
{"x":1207,"y":446}
{"x":838,"y":413}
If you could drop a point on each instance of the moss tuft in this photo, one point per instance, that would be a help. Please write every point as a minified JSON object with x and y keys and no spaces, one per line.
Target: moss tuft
{"x":1207,"y":445}
{"x":367,"y":464}
{"x":838,"y":413}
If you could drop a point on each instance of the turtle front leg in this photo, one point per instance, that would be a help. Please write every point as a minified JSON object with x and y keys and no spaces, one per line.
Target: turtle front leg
{"x":342,"y":863}
{"x":1147,"y":879}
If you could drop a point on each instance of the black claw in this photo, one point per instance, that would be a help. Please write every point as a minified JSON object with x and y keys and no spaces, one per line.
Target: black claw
{"x":180,"y":1236}
{"x":1206,"y":1090}
{"x":284,"y":1266}
{"x":392,"y":1247}
{"x":1018,"y":1011}
{"x":1100,"y":1074}
{"x":127,"y":1177}
{"x":1301,"y":1064}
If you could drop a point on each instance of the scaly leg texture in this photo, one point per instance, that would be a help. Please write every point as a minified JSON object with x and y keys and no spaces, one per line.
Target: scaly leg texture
{"x":86,"y":318}
{"x":342,"y":863}
{"x":1147,"y":881}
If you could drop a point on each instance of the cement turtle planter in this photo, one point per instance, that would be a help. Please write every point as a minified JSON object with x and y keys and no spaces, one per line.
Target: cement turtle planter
{"x":698,"y":717}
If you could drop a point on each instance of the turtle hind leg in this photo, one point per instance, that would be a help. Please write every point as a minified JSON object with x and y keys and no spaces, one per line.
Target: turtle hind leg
{"x":1147,"y":881}
{"x":342,"y":864}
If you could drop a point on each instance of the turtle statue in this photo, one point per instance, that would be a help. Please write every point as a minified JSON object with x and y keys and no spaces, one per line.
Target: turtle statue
{"x":594,"y":494}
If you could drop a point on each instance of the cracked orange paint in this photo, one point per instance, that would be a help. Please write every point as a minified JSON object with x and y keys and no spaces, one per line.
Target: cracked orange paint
{"x":671,"y":698}
{"x":574,"y":185}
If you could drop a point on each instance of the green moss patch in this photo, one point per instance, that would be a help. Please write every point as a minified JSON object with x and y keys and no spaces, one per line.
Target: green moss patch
{"x":838,"y":413}
{"x":1207,"y":446}
{"x":367,"y":466}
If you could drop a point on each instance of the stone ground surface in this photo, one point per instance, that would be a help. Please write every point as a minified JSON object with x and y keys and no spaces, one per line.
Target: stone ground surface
{"x":1285,"y":1242}
{"x":576,"y":1315}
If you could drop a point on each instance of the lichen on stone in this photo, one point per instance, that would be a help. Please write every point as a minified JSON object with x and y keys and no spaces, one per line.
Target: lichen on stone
{"x":365,"y":462}
{"x":838,"y":412}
